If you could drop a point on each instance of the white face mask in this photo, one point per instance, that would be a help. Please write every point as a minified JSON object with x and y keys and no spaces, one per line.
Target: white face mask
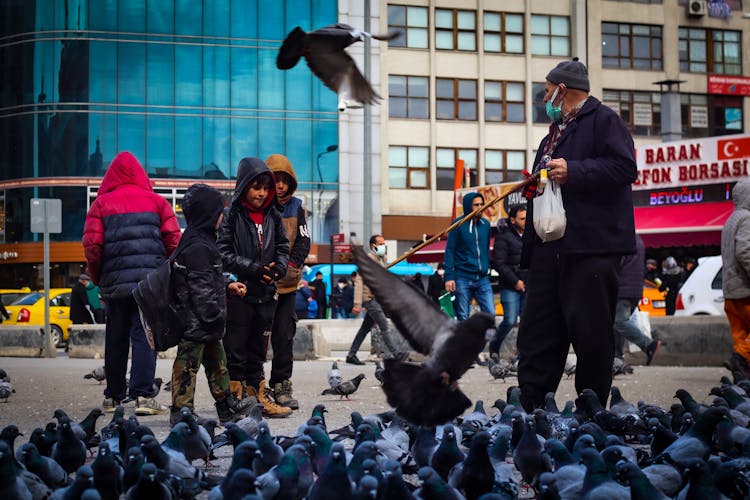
{"x":441,"y":272}
{"x":380,"y":250}
{"x":341,"y":286}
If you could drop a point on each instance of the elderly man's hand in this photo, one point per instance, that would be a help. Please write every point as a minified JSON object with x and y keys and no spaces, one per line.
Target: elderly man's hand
{"x":557,"y":170}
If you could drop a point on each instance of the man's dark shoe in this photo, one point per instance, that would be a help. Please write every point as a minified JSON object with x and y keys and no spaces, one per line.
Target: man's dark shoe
{"x":232,"y":409}
{"x":651,"y":350}
{"x":352,"y":359}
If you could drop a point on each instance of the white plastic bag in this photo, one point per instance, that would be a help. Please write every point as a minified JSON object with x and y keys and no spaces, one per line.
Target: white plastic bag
{"x":549,"y":213}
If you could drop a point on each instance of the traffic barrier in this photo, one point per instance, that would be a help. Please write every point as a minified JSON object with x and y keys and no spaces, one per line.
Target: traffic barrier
{"x":21,"y":341}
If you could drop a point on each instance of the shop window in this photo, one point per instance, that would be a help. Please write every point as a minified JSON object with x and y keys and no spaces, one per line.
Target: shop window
{"x":641,"y":111}
{"x":709,"y":115}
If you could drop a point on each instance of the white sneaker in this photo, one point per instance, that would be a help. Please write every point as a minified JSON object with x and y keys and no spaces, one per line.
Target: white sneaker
{"x":149,"y":406}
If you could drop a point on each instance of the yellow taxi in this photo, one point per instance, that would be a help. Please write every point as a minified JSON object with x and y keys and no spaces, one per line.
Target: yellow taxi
{"x":653,"y":301}
{"x":29,"y":311}
{"x":10,"y":295}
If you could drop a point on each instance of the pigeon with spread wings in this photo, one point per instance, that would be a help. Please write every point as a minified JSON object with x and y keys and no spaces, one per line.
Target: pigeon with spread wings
{"x":323,"y":49}
{"x":425,"y":394}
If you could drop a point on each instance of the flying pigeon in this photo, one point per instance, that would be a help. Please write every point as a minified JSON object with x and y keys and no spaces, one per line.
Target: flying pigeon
{"x":425,"y":394}
{"x":323,"y":49}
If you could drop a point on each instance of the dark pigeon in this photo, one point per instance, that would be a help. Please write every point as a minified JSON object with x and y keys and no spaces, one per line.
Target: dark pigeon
{"x":148,"y":486}
{"x":69,"y":451}
{"x":45,"y":468}
{"x":333,"y":482}
{"x":346,"y":388}
{"x":323,"y":49}
{"x":426,"y":394}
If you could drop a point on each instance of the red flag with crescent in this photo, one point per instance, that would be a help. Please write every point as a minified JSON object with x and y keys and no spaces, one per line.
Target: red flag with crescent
{"x":728,"y":149}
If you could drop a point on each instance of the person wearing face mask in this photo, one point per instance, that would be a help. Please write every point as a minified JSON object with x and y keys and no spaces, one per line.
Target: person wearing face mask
{"x":343,"y":299}
{"x":572,"y":282}
{"x":436,"y":284}
{"x":364,"y":299}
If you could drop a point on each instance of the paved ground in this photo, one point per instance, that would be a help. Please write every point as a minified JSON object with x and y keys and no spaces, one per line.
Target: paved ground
{"x":42,"y":385}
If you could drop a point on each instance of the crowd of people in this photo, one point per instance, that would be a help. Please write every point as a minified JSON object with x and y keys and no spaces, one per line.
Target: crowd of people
{"x":241,"y":270}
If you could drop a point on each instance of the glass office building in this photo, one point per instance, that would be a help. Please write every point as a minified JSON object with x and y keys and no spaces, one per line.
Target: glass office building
{"x":188,"y":86}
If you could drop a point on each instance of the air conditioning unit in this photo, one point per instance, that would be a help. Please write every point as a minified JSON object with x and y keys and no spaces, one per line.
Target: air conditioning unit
{"x":696,"y":8}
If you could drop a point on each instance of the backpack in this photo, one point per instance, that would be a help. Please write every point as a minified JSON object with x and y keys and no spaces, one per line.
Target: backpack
{"x":161,"y":313}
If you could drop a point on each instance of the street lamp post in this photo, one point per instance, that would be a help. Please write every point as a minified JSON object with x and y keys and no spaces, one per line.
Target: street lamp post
{"x":319,"y":216}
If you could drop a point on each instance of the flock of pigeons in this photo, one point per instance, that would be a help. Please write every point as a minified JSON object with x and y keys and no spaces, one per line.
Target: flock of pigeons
{"x":641,"y":451}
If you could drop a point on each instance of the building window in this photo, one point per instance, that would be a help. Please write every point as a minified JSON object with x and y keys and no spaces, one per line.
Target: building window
{"x":456,"y":99}
{"x":503,"y":32}
{"x":710,"y":51}
{"x":455,"y":29}
{"x":550,"y":35}
{"x":445,"y":161}
{"x":408,"y":167}
{"x":635,"y":46}
{"x":412,"y":23}
{"x":503,"y":166}
{"x":709,"y":115}
{"x":408,"y":96}
{"x":641,"y":111}
{"x":537,"y":108}
{"x":503,"y":102}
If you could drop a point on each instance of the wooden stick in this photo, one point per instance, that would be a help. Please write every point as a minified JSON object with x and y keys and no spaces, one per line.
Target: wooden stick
{"x":469,"y":216}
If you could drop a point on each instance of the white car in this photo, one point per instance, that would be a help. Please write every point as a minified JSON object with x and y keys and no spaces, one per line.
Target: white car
{"x":701,"y":293}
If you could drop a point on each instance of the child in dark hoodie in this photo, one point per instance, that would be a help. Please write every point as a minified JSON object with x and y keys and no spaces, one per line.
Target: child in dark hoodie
{"x":254,"y":248}
{"x":201,"y":289}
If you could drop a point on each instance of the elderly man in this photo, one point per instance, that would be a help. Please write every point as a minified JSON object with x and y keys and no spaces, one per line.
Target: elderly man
{"x":572,"y":281}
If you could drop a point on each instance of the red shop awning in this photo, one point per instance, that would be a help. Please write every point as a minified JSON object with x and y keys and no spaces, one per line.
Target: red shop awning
{"x":682,"y":225}
{"x":431,"y":253}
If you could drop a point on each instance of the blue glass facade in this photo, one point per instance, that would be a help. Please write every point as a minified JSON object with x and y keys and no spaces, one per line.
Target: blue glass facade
{"x":188,"y":86}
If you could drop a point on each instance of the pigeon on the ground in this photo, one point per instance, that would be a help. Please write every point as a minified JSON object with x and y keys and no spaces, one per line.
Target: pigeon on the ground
{"x":426,"y":394}
{"x":323,"y":49}
{"x":500,"y":369}
{"x":334,"y":376}
{"x":345,"y":389}
{"x":11,"y":484}
{"x":378,"y":372}
{"x":6,"y":387}
{"x":47,"y":469}
{"x":148,"y":486}
{"x":69,"y":451}
{"x":96,"y":374}
{"x":333,"y":481}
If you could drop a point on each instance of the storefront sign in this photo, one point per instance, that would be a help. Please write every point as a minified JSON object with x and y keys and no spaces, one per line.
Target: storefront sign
{"x":693,"y":162}
{"x":642,"y":115}
{"x":729,"y":85}
{"x":698,"y":117}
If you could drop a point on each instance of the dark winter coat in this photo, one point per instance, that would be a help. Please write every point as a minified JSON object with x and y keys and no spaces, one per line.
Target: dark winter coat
{"x":631,"y":273}
{"x":468,"y":247}
{"x":598,"y":200}
{"x":506,"y":257}
{"x":129,"y":229}
{"x":200,"y":287}
{"x":318,"y":287}
{"x":239,"y":241}
{"x":79,"y":300}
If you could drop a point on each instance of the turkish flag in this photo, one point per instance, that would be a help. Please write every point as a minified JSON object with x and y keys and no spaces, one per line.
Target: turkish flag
{"x":728,"y":149}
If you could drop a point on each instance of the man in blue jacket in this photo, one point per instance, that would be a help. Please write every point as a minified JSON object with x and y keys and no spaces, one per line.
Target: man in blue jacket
{"x":467,"y":260}
{"x":572,"y":282}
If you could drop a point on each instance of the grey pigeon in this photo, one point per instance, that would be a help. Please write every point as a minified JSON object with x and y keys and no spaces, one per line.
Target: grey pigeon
{"x":84,"y":480}
{"x":474,"y":476}
{"x":500,"y":369}
{"x":431,"y":485}
{"x":11,"y":484}
{"x":6,"y":389}
{"x":426,"y":394}
{"x":345,"y":389}
{"x":323,"y":49}
{"x":334,"y":376}
{"x":333,"y":481}
{"x":107,"y":474}
{"x":45,"y":468}
{"x":96,"y":374}
{"x":270,"y":452}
